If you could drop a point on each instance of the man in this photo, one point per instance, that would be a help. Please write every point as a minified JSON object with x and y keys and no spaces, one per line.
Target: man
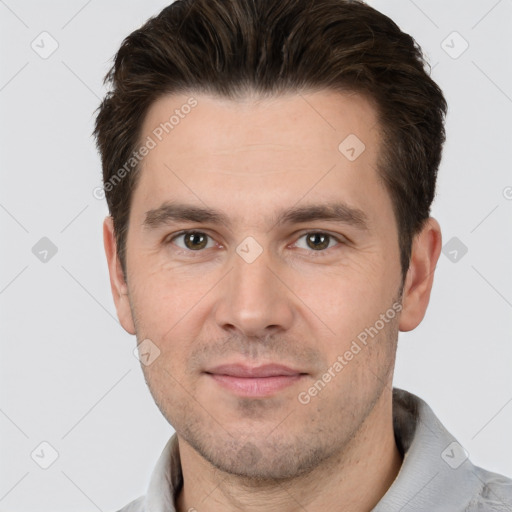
{"x":269,"y":167}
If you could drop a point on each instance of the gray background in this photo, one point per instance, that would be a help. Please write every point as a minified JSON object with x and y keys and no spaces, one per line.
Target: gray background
{"x":68,"y":374}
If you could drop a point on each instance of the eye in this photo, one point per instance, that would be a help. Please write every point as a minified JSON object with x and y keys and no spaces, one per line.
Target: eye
{"x":196,"y":241}
{"x":318,"y":241}
{"x":192,"y":240}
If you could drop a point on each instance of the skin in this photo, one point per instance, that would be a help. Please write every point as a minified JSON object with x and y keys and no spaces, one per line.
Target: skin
{"x":294,"y":304}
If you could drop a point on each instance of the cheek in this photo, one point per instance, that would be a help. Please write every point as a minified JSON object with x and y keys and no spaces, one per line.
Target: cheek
{"x":169,"y":389}
{"x":161,"y":292}
{"x":160,"y":307}
{"x":345,"y":298}
{"x":347,"y":315}
{"x":171,"y":307}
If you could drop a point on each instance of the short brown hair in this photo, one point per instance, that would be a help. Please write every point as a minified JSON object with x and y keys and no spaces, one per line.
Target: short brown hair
{"x":230,"y":47}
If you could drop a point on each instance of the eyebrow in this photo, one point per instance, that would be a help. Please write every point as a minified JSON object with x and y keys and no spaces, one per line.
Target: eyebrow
{"x":179,"y":212}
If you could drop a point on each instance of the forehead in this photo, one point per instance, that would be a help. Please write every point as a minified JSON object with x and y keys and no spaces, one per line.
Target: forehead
{"x":214,"y":125}
{"x":271,"y":149}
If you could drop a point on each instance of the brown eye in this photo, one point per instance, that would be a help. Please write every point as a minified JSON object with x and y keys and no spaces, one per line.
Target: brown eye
{"x":195,"y":241}
{"x":317,"y":241}
{"x":191,"y":240}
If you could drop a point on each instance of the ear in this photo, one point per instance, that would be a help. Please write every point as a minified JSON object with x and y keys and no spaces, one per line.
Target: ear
{"x":426,"y":248}
{"x":117,"y":281}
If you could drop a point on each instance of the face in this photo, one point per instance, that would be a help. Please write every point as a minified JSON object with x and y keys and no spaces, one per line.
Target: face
{"x":263,"y":265}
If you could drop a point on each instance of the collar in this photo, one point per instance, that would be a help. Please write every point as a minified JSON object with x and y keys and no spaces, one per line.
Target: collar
{"x":435,"y":471}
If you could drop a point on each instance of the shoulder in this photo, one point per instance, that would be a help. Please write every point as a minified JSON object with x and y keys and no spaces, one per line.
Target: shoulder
{"x":495,"y":493}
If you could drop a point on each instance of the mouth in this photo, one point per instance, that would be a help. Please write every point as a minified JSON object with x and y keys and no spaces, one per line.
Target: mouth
{"x":255,"y":382}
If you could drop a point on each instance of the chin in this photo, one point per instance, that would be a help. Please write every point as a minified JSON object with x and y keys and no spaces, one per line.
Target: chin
{"x":266,"y":461}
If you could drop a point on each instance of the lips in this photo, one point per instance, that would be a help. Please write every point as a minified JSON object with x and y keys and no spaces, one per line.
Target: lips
{"x":256,"y":382}
{"x":268,"y":370}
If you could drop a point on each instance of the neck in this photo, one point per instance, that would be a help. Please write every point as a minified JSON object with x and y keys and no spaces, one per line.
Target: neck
{"x":352,"y":480}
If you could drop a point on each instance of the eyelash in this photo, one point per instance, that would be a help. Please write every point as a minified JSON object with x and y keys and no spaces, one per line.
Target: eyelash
{"x":314,"y":254}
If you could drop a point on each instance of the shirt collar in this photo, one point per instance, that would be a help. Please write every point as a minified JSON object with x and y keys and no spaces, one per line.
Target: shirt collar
{"x":436,"y":473}
{"x":435,"y":468}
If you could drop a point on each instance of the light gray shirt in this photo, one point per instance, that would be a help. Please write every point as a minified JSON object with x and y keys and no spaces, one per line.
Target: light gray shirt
{"x":436,"y":474}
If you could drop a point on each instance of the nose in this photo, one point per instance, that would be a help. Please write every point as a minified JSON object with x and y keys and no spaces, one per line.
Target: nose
{"x":253,"y":299}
